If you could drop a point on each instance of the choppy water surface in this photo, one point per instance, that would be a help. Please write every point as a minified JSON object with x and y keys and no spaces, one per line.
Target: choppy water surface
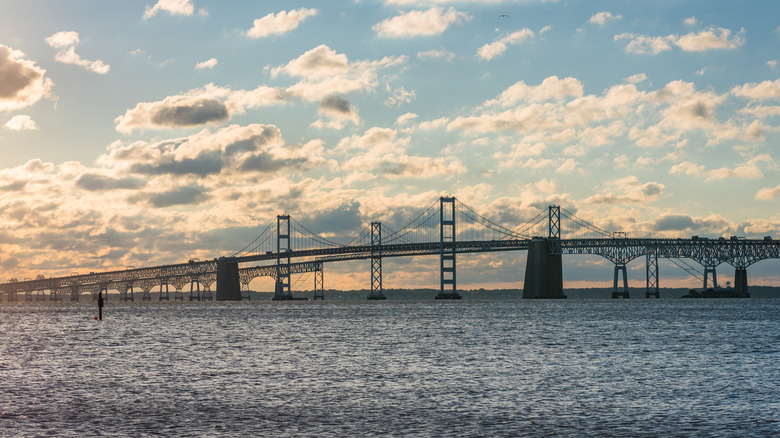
{"x":427,"y":368}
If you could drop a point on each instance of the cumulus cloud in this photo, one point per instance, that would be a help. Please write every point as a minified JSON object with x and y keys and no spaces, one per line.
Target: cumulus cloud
{"x":433,"y":21}
{"x":21,"y":123}
{"x":208,"y":105}
{"x":628,"y":190}
{"x":279,"y":23}
{"x":24,"y":83}
{"x":323,"y":71}
{"x":379,"y":152}
{"x":498,"y":47}
{"x":66,"y":43}
{"x":338,"y":110}
{"x":210,"y":63}
{"x":713,"y":38}
{"x":602,"y":18}
{"x":768,"y":193}
{"x":758,"y":91}
{"x":173,"y":7}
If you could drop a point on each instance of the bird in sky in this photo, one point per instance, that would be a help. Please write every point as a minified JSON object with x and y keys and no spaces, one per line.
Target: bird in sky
{"x":503,"y":16}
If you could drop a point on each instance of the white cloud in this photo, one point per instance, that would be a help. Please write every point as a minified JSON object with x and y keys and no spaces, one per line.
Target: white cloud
{"x":713,"y":38}
{"x":691,"y":21}
{"x":433,"y":21}
{"x":768,"y":193}
{"x":174,"y":7}
{"x":761,"y":91}
{"x":24,"y":83}
{"x":66,"y":42}
{"x":772,"y":63}
{"x":498,"y":47}
{"x":210,"y":63}
{"x":399,"y":96}
{"x":208,"y":105}
{"x":687,"y":168}
{"x":21,"y":123}
{"x":602,"y":18}
{"x":324,"y":72}
{"x":379,"y":152}
{"x":433,"y":53}
{"x":637,"y":78}
{"x":279,"y":23}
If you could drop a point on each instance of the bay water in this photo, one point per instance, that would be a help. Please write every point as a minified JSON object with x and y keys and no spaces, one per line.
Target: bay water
{"x":395,"y":368}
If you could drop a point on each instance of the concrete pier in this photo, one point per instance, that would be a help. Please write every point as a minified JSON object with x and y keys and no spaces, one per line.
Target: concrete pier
{"x":228,"y":284}
{"x":741,"y":283}
{"x":543,"y":272}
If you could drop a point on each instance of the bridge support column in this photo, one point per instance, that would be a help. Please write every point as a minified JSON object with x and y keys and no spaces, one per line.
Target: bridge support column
{"x":319,"y":287}
{"x":543,"y":271}
{"x":377,"y":293}
{"x":283,"y":246}
{"x":741,"y":283}
{"x":164,"y":294}
{"x":447,"y":250}
{"x":707,"y":271}
{"x":652,"y":275}
{"x":194,"y":289}
{"x":624,"y":292}
{"x":228,"y":285}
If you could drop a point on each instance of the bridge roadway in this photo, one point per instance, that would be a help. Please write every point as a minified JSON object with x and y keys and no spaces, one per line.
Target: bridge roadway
{"x":739,"y":253}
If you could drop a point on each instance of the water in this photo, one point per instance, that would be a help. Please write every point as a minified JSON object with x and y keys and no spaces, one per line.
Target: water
{"x":425,"y":368}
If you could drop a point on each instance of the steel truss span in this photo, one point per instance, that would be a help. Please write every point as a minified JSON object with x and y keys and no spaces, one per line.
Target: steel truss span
{"x":446,"y":228}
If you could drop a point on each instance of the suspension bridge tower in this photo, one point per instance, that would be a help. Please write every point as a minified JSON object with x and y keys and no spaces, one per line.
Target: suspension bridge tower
{"x":448,"y":290}
{"x":544,"y":267}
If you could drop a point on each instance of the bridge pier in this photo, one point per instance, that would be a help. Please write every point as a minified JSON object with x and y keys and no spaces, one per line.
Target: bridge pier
{"x":652,"y":275}
{"x":623,"y":293}
{"x":741,"y":283}
{"x":377,"y":293}
{"x":543,"y":271}
{"x":711,"y":270}
{"x":228,"y":284}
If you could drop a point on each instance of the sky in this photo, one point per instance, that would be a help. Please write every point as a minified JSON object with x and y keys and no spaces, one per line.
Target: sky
{"x":145,"y":132}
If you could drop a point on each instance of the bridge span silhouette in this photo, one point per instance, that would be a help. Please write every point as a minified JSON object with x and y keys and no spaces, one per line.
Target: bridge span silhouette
{"x":445,"y":229}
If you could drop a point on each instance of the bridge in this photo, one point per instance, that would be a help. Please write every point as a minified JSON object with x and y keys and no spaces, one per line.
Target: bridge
{"x":445,"y":229}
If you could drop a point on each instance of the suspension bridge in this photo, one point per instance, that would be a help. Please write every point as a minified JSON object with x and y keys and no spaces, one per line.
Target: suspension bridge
{"x":445,"y":229}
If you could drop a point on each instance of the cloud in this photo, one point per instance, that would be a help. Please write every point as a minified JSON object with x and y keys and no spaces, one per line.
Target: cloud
{"x":433,"y":21}
{"x":96,"y":182}
{"x":210,"y":63}
{"x":768,"y":193}
{"x":173,"y":7}
{"x":21,"y":123}
{"x":602,"y":18}
{"x":23,"y":83}
{"x":713,"y":38}
{"x":691,"y":21}
{"x":498,"y":47}
{"x":628,"y":190}
{"x":379,"y":152}
{"x":203,"y":106}
{"x":66,"y":42}
{"x":187,"y":195}
{"x":434,"y":54}
{"x":324,"y":72}
{"x":761,"y":91}
{"x":338,"y":110}
{"x":687,"y":168}
{"x":279,"y":23}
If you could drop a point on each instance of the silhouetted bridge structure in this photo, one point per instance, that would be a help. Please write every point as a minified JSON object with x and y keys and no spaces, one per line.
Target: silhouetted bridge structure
{"x":446,"y":228}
